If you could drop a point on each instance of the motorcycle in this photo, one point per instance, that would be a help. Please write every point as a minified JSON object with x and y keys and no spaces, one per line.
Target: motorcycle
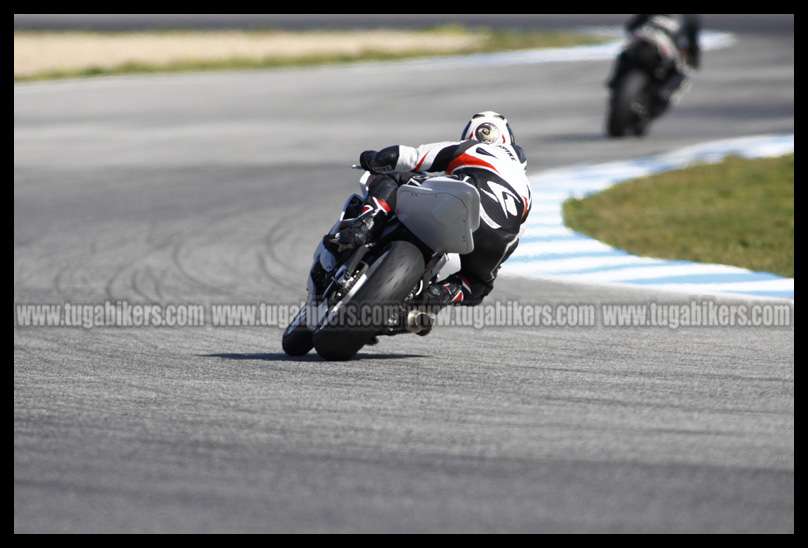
{"x":375,"y":290}
{"x":650,"y":72}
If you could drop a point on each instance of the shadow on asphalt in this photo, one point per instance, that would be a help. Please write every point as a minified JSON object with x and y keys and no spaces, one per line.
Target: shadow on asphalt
{"x":312,"y":357}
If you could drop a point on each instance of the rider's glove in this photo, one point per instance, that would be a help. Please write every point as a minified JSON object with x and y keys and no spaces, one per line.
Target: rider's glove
{"x":366,"y":159}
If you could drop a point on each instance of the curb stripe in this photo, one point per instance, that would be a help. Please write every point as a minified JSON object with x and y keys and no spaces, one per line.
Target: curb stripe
{"x":706,"y":278}
{"x":550,"y":250}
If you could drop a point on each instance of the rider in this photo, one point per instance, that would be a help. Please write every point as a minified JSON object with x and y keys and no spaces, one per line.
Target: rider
{"x":682,"y":32}
{"x":486,"y":156}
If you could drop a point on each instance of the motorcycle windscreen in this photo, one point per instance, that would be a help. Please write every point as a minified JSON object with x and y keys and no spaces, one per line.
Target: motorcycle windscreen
{"x":443,"y":213}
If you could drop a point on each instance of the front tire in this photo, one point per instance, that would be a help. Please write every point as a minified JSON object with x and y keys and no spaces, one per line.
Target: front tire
{"x":392,"y":278}
{"x":297,"y":339}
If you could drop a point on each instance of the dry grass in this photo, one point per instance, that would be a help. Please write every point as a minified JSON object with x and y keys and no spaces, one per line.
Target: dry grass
{"x":60,"y":54}
{"x":36,"y":52}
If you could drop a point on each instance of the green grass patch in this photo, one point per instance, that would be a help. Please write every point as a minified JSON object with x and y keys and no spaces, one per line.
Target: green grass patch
{"x":738,"y":212}
{"x":487,"y":40}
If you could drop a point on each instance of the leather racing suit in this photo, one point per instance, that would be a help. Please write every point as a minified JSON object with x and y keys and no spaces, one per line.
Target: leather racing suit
{"x":498,"y":173}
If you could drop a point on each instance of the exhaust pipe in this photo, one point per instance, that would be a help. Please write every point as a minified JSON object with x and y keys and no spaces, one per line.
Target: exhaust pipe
{"x":419,"y":322}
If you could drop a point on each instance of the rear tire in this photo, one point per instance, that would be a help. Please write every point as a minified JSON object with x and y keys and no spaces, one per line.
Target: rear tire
{"x":390,"y":282}
{"x":623,"y":116}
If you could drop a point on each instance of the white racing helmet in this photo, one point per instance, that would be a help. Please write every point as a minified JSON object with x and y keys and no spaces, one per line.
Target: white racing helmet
{"x":488,"y":127}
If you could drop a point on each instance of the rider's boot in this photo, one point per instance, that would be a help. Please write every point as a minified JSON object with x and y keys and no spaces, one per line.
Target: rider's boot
{"x":454,"y":290}
{"x":451,"y":291}
{"x":448,"y":292}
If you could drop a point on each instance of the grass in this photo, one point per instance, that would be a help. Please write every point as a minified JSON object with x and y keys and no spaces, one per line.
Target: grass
{"x":478,"y":40}
{"x":738,"y":212}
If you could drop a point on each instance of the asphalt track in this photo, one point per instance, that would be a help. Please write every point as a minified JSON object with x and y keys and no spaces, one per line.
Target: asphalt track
{"x":214,"y":188}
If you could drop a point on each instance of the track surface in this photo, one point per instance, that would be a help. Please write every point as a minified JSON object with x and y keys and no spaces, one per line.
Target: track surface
{"x":215,"y":187}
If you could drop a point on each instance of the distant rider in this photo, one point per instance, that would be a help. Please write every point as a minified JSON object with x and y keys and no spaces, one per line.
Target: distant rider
{"x":678,"y":33}
{"x":486,"y":156}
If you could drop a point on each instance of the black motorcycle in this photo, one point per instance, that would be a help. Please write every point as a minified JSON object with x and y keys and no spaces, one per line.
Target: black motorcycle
{"x":647,"y":74}
{"x":356,"y":296}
